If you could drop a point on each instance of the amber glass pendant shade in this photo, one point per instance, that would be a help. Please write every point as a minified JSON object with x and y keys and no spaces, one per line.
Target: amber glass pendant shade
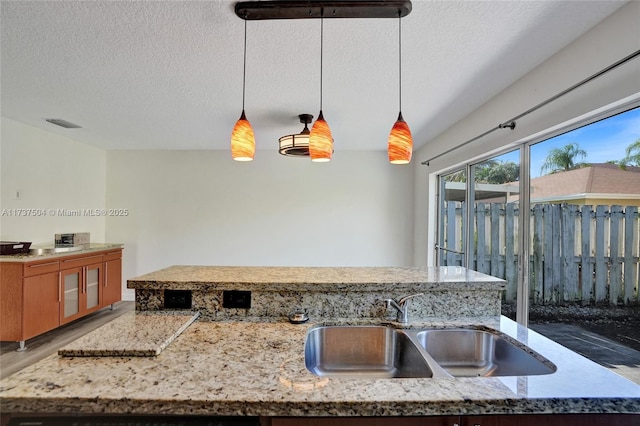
{"x":320,"y":141}
{"x":243,"y":141}
{"x":400,"y":144}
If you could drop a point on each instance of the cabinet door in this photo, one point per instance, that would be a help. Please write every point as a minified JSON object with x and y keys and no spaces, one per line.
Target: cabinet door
{"x":365,"y":421}
{"x":72,"y":285}
{"x":112,"y":290}
{"x":553,"y":420}
{"x":11,"y":301}
{"x":92,"y":288}
{"x":81,"y":291}
{"x":41,"y":304}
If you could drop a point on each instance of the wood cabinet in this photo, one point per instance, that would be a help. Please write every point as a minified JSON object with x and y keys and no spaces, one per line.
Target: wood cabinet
{"x":39,"y":295}
{"x":81,"y":291}
{"x":112,"y":289}
{"x":489,"y":420}
{"x":81,"y":279}
{"x":41,"y":304}
{"x":29,"y":299}
{"x":360,"y":421}
{"x":552,"y":420}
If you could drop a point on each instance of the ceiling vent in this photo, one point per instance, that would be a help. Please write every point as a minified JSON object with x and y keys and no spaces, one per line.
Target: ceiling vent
{"x":62,"y":123}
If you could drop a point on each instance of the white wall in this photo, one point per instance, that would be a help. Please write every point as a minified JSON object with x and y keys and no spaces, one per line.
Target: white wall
{"x":201,"y":207}
{"x":611,"y":40}
{"x":50,"y":172}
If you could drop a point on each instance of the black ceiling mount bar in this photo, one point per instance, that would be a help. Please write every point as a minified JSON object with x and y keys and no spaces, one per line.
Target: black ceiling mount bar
{"x":512,"y":122}
{"x":310,"y":9}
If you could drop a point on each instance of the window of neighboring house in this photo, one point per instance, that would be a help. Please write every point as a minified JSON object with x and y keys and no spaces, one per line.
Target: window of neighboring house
{"x":583,"y":228}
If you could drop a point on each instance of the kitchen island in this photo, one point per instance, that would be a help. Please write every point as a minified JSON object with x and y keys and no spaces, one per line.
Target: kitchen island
{"x":256,"y":368}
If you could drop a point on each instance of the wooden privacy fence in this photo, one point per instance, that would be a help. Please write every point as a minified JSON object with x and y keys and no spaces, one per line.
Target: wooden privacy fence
{"x":578,"y":254}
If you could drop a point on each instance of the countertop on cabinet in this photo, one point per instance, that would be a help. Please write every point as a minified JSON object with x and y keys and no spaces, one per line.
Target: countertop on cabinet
{"x":257,"y":368}
{"x":331,"y":279}
{"x":28,"y":257}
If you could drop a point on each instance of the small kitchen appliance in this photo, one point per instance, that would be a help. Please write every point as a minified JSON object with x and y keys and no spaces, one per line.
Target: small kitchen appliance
{"x":14,"y":247}
{"x":69,"y":240}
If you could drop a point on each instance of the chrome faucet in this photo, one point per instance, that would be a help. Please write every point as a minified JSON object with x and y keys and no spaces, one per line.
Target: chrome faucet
{"x":402,"y":307}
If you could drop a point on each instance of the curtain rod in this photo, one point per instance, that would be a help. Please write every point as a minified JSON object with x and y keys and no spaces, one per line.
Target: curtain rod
{"x":511,"y":123}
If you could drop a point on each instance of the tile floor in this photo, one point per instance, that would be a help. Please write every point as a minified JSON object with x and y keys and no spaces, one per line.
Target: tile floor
{"x":618,"y":358}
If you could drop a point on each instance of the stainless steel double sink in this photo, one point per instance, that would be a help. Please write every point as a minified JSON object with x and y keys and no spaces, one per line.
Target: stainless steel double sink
{"x":387,"y":352}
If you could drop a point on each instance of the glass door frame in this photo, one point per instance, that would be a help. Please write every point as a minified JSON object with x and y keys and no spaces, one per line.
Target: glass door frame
{"x":440,"y":197}
{"x":522,"y":301}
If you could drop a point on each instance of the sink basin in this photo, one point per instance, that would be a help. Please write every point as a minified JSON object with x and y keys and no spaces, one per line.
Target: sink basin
{"x":363,"y":352}
{"x":472,"y":352}
{"x":385,"y":352}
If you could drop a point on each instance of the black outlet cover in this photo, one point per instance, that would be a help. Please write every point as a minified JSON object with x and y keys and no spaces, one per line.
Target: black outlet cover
{"x":237,"y":299}
{"x":177,"y":299}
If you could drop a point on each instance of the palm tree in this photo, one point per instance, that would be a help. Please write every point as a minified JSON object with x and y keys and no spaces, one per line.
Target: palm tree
{"x":563,"y":159}
{"x":459,"y":176}
{"x":632,"y":157}
{"x":490,"y":171}
{"x":497,"y":172}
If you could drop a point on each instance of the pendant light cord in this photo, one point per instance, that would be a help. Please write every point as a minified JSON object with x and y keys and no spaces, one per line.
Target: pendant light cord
{"x":321,"y":50}
{"x":399,"y":62}
{"x":244,"y":69}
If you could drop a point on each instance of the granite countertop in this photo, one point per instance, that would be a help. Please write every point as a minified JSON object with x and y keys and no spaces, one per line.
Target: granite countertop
{"x":257,"y":368}
{"x":29,"y":257}
{"x":331,"y":279}
{"x":133,"y":334}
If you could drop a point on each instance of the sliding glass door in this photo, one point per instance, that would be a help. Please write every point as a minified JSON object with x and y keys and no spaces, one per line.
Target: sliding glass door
{"x":572,"y":238}
{"x":494,"y":218}
{"x":450,"y":249}
{"x":585,"y":231}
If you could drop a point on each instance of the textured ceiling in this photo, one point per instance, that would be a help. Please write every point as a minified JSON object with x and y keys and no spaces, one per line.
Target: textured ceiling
{"x":168,"y":74}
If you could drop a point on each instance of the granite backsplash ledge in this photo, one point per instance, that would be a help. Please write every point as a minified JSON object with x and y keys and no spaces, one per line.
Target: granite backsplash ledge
{"x":359,"y":293}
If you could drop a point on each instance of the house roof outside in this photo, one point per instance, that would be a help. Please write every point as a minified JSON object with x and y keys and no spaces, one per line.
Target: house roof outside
{"x":595,"y":181}
{"x":599,"y":183}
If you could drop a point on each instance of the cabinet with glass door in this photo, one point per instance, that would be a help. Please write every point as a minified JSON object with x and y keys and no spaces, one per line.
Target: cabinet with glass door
{"x":81,"y":281}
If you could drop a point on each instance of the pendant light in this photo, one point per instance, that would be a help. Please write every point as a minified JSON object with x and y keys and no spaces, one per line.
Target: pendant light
{"x":320,"y":139}
{"x":243,"y":141}
{"x":400,"y":144}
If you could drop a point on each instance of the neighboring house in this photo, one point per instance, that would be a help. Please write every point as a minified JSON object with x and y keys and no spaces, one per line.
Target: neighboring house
{"x":483,"y":192}
{"x":596,"y":184}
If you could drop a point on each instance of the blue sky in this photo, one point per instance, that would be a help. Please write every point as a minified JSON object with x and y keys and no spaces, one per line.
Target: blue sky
{"x":603,"y":141}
